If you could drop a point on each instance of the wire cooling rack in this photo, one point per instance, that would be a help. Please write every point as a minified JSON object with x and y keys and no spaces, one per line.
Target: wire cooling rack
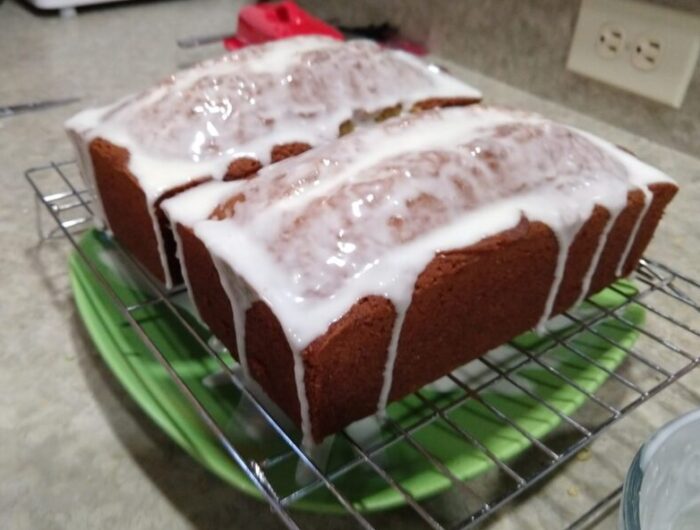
{"x":668,"y":347}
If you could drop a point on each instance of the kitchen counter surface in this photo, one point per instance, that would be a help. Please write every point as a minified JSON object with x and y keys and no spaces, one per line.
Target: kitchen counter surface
{"x":75,"y":452}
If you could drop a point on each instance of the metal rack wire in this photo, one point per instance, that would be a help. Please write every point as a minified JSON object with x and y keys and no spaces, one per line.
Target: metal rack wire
{"x":667,"y":348}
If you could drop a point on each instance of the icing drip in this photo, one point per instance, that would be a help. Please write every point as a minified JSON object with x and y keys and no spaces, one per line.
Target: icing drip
{"x":391,"y":357}
{"x":241,"y":299}
{"x":183,"y":265}
{"x":593,"y":266}
{"x":367,"y":213}
{"x":648,"y":196}
{"x":292,"y":90}
{"x":564,"y":239}
{"x":307,"y":439}
{"x":161,"y":246}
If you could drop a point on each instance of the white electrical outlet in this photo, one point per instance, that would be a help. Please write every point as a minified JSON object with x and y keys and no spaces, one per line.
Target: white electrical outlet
{"x":643,"y":48}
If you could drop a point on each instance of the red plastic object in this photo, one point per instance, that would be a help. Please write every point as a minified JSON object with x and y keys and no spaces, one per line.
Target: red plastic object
{"x":265,"y":22}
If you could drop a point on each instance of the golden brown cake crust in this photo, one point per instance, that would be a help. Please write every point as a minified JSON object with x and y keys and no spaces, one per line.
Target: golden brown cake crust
{"x":280,"y":152}
{"x":465,"y":303}
{"x":241,"y":168}
{"x":125,"y":204}
{"x":434,"y":103}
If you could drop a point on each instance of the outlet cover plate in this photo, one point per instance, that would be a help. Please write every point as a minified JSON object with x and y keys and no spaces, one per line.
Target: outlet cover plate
{"x":677,"y":32}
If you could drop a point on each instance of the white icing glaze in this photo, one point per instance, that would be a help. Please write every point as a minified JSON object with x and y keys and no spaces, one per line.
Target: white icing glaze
{"x":669,"y":495}
{"x":365,"y":214}
{"x":195,"y":123}
{"x":76,"y":128}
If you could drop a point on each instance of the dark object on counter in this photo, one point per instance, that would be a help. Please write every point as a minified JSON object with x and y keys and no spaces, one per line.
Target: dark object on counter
{"x":20,"y":108}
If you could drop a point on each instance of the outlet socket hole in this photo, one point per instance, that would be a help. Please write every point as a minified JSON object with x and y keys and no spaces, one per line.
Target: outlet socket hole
{"x":610,"y":40}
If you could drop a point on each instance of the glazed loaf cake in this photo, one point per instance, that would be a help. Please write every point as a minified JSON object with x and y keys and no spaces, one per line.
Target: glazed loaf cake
{"x":225,"y":119}
{"x":357,"y":272}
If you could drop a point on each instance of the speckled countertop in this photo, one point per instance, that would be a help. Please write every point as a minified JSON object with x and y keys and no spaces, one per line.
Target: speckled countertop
{"x":75,"y":452}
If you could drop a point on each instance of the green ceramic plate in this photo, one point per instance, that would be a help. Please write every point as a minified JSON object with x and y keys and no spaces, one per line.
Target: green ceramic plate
{"x":152,"y":388}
